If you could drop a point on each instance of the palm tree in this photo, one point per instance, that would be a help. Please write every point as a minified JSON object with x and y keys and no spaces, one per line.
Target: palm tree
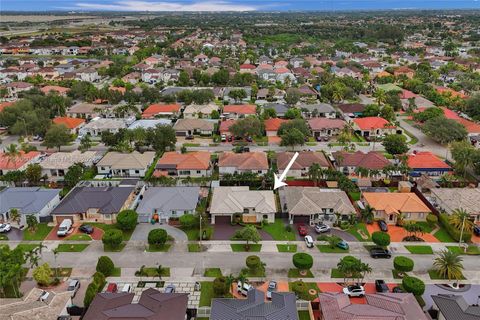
{"x":367,"y":213}
{"x":229,"y":281}
{"x":315,"y":173}
{"x":362,"y":172}
{"x":12,"y":153}
{"x":381,"y":96}
{"x":448,"y":265}
{"x":460,"y":217}
{"x":15,"y":215}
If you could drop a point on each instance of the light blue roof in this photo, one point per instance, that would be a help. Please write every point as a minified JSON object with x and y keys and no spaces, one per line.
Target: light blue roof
{"x":147,"y":124}
{"x":167,"y":199}
{"x":26,"y":200}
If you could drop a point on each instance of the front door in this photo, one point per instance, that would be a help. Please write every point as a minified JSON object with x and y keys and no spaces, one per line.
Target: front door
{"x":391,"y":217}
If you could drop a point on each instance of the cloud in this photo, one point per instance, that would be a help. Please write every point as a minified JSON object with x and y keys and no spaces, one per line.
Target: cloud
{"x":136,"y":5}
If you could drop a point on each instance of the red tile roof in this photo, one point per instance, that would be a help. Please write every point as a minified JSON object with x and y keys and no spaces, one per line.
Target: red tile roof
{"x":247,"y":66}
{"x":7,"y":163}
{"x":186,"y":161}
{"x":406,"y":94}
{"x":450,"y":114}
{"x":371,"y":122}
{"x":155,"y":109}
{"x":70,"y":123}
{"x":472,"y":127}
{"x":3,"y":105}
{"x":273,"y":124}
{"x":305,"y":160}
{"x":225,"y":125}
{"x":58,"y":89}
{"x":324,"y":123}
{"x":244,"y":161}
{"x":240,"y":108}
{"x":371,"y":160}
{"x":426,"y":160}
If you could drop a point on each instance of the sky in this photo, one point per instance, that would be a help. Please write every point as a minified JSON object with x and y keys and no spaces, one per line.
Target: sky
{"x":231,"y":5}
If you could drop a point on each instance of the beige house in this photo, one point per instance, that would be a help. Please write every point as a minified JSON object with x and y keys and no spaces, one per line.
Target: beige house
{"x":253,"y":205}
{"x":57,"y":164}
{"x":199,"y":111}
{"x":133,"y":164}
{"x":188,"y":127}
{"x":450,"y":199}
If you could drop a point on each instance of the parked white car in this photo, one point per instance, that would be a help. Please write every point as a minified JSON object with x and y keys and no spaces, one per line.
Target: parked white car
{"x":243,"y":288}
{"x":272,"y":287}
{"x":64,"y":227}
{"x":321,"y":228}
{"x":5,"y":227}
{"x":73,"y":286}
{"x":354,"y":291}
{"x":309,"y":241}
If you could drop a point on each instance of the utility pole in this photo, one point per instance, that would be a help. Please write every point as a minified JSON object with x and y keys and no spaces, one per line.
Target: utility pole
{"x":461,"y":232}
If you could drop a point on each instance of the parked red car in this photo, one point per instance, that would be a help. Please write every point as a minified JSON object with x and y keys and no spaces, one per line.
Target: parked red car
{"x":302,"y":230}
{"x":112,"y":288}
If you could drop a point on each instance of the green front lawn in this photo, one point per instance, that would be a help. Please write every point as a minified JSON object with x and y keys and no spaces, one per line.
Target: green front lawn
{"x":3,"y":237}
{"x":435,"y":276}
{"x":108,"y":248}
{"x":278,"y":232}
{"x":354,"y":230}
{"x":194,"y":247}
{"x":152,"y":272}
{"x":307,"y":296}
{"x":117,"y":272}
{"x":71,"y":247}
{"x":287,"y":247}
{"x":419,"y":249}
{"x":79,"y":237}
{"x":303,"y":315}
{"x":212,"y":272}
{"x":159,"y":248}
{"x":427,"y":228}
{"x":443,"y":235}
{"x":325,"y":248}
{"x":354,"y":195}
{"x":335,"y":273}
{"x":26,"y":247}
{"x":471,"y":250}
{"x":239,"y":247}
{"x":206,"y":293}
{"x":61,"y":272}
{"x":295,"y":273}
{"x":41,"y":232}
{"x":105,"y":227}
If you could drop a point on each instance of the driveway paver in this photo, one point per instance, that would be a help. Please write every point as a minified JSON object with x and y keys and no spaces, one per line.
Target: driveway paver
{"x":225,"y":231}
{"x":398,"y":233}
{"x":15,"y":234}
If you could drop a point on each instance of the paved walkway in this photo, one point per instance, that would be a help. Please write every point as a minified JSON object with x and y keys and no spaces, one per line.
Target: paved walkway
{"x":142,"y":230}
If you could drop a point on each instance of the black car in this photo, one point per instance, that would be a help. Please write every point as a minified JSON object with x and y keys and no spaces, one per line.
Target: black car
{"x":381,"y":286}
{"x":397,"y":290}
{"x":476,"y":230}
{"x":189,"y":137}
{"x":382,"y":225}
{"x":380,"y":253}
{"x":85,"y":228}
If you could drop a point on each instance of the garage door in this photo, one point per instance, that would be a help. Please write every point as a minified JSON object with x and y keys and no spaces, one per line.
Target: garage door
{"x":181,"y":133}
{"x":301,"y":219}
{"x":59,"y":219}
{"x":223,"y":219}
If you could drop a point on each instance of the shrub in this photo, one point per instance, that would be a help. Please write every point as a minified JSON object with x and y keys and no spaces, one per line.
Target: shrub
{"x":403,"y":264}
{"x":288,"y":228}
{"x":189,"y":221}
{"x":112,"y":238}
{"x":299,"y":287}
{"x":157,"y":237}
{"x":381,"y":238}
{"x":432,"y":219}
{"x":451,"y":230}
{"x":90,"y":294}
{"x":99,"y":280}
{"x":413,"y":285}
{"x":105,"y":265}
{"x":42,"y":274}
{"x":220,"y":286}
{"x":302,"y":261}
{"x":127,"y":220}
{"x":253,"y":262}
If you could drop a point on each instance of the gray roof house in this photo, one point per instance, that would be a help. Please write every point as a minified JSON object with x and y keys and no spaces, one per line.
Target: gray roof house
{"x":94,"y":204}
{"x":314,"y":205}
{"x":35,"y":200}
{"x":454,"y":307}
{"x":280,"y":108}
{"x":323,"y":110}
{"x":167,"y":202}
{"x":282,"y":307}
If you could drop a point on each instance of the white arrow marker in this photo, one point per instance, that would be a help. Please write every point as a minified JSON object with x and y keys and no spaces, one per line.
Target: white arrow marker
{"x":279,"y":181}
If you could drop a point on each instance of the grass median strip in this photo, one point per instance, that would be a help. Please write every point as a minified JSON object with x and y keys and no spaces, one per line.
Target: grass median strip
{"x":325,"y":248}
{"x":64,"y":247}
{"x":287,"y":247}
{"x":419,"y":249}
{"x":240,"y":247}
{"x":295,"y":273}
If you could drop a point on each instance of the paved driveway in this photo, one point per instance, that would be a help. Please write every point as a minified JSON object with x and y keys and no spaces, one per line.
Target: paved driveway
{"x":142,"y":230}
{"x":15,"y":234}
{"x":334,"y":232}
{"x":225,"y":231}
{"x":398,"y":233}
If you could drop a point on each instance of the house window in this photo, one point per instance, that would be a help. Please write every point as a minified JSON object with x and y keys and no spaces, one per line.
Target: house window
{"x":421,"y":215}
{"x":245,"y":210}
{"x":259,"y":171}
{"x":107,"y":216}
{"x":198,"y":171}
{"x":408,"y":215}
{"x":265,"y":216}
{"x":137,"y":171}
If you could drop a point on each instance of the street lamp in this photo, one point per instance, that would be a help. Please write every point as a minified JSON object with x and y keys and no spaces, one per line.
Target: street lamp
{"x":461,"y":232}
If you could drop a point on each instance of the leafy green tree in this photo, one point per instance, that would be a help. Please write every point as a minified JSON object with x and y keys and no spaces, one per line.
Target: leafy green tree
{"x":183,"y":79}
{"x":33,"y":173}
{"x":387,"y":113}
{"x":157,"y":237}
{"x":353,"y":268}
{"x":127,"y":220}
{"x":215,"y":114}
{"x":269,"y":113}
{"x":293,"y":113}
{"x":302,"y":261}
{"x":57,"y":136}
{"x":90,"y":294}
{"x":428,"y":114}
{"x":43,"y":274}
{"x":11,"y":271}
{"x":247,"y":127}
{"x":112,"y":238}
{"x":465,"y":156}
{"x":85,"y":143}
{"x":413,"y":285}
{"x":220,"y":288}
{"x":189,"y":221}
{"x":249,"y":234}
{"x":221,"y":77}
{"x":292,"y":138}
{"x":162,"y":138}
{"x":298,"y":124}
{"x":237,"y":94}
{"x":444,"y":130}
{"x":254,"y":264}
{"x":292,"y":97}
{"x":395,"y":144}
{"x":403,"y":264}
{"x":460,"y":217}
{"x":74,"y":175}
{"x":105,"y":266}
{"x":32,"y":222}
{"x":381,"y":238}
{"x":371,"y":110}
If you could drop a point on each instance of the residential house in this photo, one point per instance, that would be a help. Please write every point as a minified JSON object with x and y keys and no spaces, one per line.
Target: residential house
{"x":193,"y":111}
{"x":454,"y":307}
{"x":62,"y":91}
{"x":98,"y":125}
{"x":83,"y":110}
{"x":152,"y":305}
{"x":14,"y":88}
{"x":302,"y":164}
{"x":450,"y":199}
{"x":313,"y":205}
{"x":35,"y":201}
{"x":348,"y":163}
{"x":94,"y":204}
{"x":282,"y":306}
{"x":280,"y":108}
{"x":351,"y":110}
{"x":253,"y":206}
{"x":162,"y":110}
{"x":149,"y":123}
{"x":191,"y":164}
{"x":404,"y":71}
{"x":237,"y":111}
{"x":18,"y":162}
{"x":323,"y":110}
{"x":56,"y":165}
{"x":389,"y":205}
{"x":73,"y":124}
{"x":188,"y":127}
{"x":133,"y":164}
{"x":272,"y":125}
{"x":162,"y":203}
{"x":425,"y":162}
{"x":374,"y":127}
{"x":378,"y":306}
{"x":324,"y":127}
{"x":224,"y":127}
{"x":251,"y":162}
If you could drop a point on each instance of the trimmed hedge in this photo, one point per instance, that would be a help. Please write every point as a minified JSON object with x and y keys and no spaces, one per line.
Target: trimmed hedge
{"x":105,"y":265}
{"x":93,"y":288}
{"x":253,"y":262}
{"x":454,"y":233}
{"x":220,"y":287}
{"x":381,"y":238}
{"x":403,"y":264}
{"x":127,"y":220}
{"x":413,"y":285}
{"x":432,"y":219}
{"x":112,"y":238}
{"x":302,"y":261}
{"x":157,"y":237}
